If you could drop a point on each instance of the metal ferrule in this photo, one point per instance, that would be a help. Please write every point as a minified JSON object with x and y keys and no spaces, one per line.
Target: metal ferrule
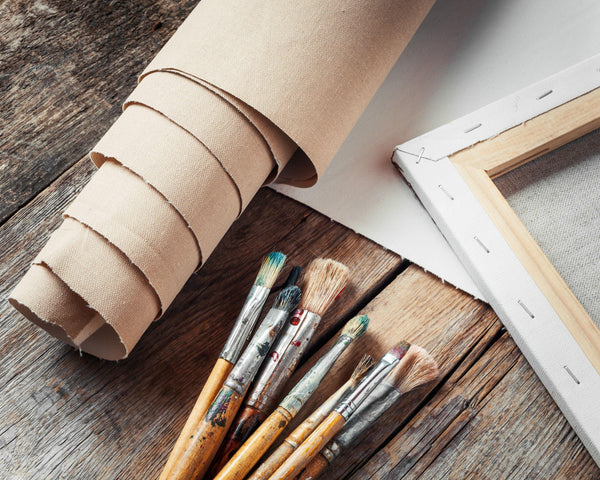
{"x":282,"y":359}
{"x":347,"y":407}
{"x":331,"y":452}
{"x":302,"y":391}
{"x":376,"y":404}
{"x":245,"y":323}
{"x":246,"y":367}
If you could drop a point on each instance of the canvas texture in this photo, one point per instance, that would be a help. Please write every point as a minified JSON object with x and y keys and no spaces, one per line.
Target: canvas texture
{"x":557,"y":197}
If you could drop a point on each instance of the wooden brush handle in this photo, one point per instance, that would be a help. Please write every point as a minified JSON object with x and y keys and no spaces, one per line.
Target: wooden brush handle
{"x":208,"y":437}
{"x":314,"y":468}
{"x":271,"y":464}
{"x":310,"y":447}
{"x":243,"y":426}
{"x":255,"y":447}
{"x":212,"y":386}
{"x":276,"y":459}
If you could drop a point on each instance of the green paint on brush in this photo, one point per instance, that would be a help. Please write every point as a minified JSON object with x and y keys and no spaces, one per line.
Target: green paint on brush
{"x":216,"y":414}
{"x":270,"y":269}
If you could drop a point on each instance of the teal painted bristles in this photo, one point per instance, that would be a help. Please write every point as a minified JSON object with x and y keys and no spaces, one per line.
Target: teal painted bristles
{"x":270,"y":269}
{"x":357,"y":326}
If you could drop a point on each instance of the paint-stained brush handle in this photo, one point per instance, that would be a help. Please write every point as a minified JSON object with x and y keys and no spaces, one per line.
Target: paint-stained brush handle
{"x":255,"y":447}
{"x":215,"y":381}
{"x":296,"y":462}
{"x":209,"y":435}
{"x":247,"y":421}
{"x":314,"y":469}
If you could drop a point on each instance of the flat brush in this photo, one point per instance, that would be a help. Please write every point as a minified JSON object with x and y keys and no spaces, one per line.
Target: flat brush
{"x":336,"y":419}
{"x":416,"y":368}
{"x":302,"y":431}
{"x":323,"y":281}
{"x":254,"y":448}
{"x":269,"y":270}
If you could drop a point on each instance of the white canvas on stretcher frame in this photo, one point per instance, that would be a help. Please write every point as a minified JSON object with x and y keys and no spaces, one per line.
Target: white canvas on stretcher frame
{"x":451,"y":170}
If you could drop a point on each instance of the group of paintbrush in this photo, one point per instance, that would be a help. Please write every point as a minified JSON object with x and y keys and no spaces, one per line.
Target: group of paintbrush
{"x":405,"y":366}
{"x":304,"y":457}
{"x":227,"y":385}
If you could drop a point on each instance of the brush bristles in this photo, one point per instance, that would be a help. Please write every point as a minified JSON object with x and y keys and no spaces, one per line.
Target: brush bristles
{"x":323,"y":281}
{"x":400,"y":350}
{"x":361,"y":370}
{"x":287,"y":299}
{"x":415,"y":369}
{"x":269,"y":270}
{"x":356,"y":326}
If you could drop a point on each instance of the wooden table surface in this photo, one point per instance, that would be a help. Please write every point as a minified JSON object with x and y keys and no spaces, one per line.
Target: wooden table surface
{"x":65,"y":68}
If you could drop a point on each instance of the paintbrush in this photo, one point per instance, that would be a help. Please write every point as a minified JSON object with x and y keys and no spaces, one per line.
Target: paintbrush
{"x":259,"y":442}
{"x":323,"y":281}
{"x":206,"y":438}
{"x":303,"y":430}
{"x":416,"y":368}
{"x":334,"y":422}
{"x":269,"y":270}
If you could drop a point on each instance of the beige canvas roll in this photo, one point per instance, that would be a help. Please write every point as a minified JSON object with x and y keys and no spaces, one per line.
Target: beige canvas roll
{"x":159,"y":242}
{"x":184,"y":171}
{"x":104,"y":277}
{"x":310,"y":67}
{"x":242,"y":92}
{"x":48,"y":302}
{"x":217,"y":124}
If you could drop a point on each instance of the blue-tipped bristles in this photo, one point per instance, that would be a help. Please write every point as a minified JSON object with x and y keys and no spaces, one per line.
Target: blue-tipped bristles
{"x":270,"y":269}
{"x":288,"y":299}
{"x":356,"y":326}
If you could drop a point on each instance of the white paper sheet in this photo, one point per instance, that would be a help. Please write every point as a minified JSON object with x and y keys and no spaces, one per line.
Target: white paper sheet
{"x":466,"y":54}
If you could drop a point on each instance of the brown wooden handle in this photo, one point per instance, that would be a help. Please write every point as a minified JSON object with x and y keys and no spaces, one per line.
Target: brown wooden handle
{"x":255,"y":447}
{"x":310,"y":447}
{"x":212,"y":386}
{"x":314,"y":468}
{"x":271,"y":464}
{"x":247,"y":421}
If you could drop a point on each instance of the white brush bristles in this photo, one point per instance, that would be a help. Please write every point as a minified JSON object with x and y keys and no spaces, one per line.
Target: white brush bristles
{"x":416,"y":368}
{"x":323,"y":281}
{"x":356,"y":326}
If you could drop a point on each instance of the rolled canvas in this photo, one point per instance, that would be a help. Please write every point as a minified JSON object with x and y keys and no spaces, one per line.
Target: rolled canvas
{"x":244,"y":92}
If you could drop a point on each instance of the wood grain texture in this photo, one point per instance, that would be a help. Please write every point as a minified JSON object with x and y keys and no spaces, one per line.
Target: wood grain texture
{"x":63,"y":75}
{"x":63,"y":78}
{"x":187,"y":437}
{"x":463,"y":431}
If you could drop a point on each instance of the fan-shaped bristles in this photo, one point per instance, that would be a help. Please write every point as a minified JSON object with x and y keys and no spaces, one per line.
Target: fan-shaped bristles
{"x":416,"y":368}
{"x":287,"y":299}
{"x":323,"y":281}
{"x":356,"y":326}
{"x":361,"y":370}
{"x":269,"y":270}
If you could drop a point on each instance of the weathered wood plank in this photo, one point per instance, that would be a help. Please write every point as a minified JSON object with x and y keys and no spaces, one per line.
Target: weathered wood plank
{"x":493,"y":420}
{"x":62,"y":414}
{"x":65,"y":69}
